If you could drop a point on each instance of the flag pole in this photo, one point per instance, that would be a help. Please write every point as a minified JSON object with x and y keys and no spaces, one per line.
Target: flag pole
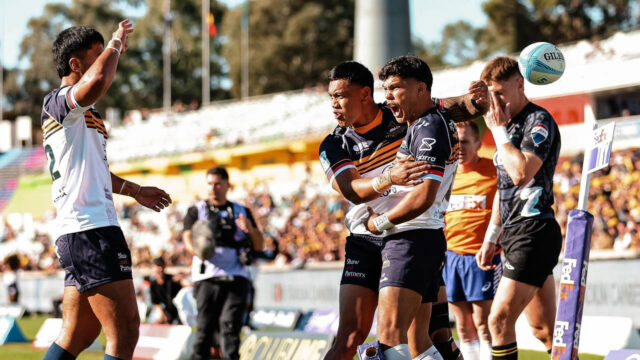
{"x":206,"y":55}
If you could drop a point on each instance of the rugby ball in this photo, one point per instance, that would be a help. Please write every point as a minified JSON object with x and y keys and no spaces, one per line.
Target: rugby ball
{"x":541,"y":63}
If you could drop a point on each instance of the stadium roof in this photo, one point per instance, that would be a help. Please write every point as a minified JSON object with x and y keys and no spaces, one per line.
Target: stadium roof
{"x":590,"y":67}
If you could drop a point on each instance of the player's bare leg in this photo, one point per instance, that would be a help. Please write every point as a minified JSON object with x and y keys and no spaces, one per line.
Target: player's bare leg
{"x":357,"y":308}
{"x":114,"y":304}
{"x":418,"y":334}
{"x":80,"y":327}
{"x":396,"y":309}
{"x":512,"y":297}
{"x":541,"y":312}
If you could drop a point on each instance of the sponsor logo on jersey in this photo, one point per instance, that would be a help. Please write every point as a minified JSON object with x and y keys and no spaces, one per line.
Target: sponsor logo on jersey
{"x":324,"y":161}
{"x":539,"y":134}
{"x":360,"y":147}
{"x":426,"y":158}
{"x":427,"y":144}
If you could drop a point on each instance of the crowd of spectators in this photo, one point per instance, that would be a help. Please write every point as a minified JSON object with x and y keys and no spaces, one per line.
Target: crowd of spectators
{"x":308,"y":224}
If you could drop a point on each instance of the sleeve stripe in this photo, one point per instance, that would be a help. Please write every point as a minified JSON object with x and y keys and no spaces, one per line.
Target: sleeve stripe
{"x":432,"y":177}
{"x":339,"y":170}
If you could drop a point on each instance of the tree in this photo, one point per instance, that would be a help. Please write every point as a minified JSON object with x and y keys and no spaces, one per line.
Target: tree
{"x":138,"y":83}
{"x":292,"y":43}
{"x":514,"y":24}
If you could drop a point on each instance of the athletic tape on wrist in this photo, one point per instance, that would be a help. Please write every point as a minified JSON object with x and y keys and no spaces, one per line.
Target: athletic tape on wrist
{"x":381,"y":182}
{"x":493,"y":231}
{"x":500,"y":135}
{"x":111,"y":47}
{"x":382,"y":223}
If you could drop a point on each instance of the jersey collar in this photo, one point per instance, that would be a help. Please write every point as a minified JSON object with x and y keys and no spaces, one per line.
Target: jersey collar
{"x":377,"y":121}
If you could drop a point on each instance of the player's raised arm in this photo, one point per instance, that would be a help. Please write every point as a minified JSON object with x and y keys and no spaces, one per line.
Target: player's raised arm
{"x":520,"y":165}
{"x":470,"y":106}
{"x":98,"y":78}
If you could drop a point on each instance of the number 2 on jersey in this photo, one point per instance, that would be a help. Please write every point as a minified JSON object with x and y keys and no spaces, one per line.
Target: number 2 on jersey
{"x":55,"y":175}
{"x":531,"y":195}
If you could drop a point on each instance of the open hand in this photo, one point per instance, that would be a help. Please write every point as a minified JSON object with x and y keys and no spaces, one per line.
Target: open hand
{"x":480,"y":93}
{"x":499,"y":113}
{"x":408,"y":173}
{"x":153,"y":198}
{"x":244,"y":224}
{"x":125,"y":27}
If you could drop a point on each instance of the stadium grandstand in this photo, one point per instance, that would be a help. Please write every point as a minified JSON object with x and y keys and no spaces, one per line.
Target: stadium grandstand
{"x":273,"y":161}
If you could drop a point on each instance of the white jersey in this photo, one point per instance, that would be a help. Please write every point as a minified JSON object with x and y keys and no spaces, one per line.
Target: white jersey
{"x":75,"y":142}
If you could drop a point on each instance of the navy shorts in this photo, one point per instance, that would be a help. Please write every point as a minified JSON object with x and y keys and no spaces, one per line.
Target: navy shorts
{"x":465,"y":281}
{"x":362,"y":261}
{"x":94,"y":257}
{"x":413,"y":260}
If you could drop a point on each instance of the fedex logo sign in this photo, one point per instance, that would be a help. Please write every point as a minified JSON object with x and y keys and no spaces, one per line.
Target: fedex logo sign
{"x":566,"y":284}
{"x":559,"y":346}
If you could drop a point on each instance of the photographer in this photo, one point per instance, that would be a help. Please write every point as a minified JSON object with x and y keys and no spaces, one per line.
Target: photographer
{"x":221,"y":280}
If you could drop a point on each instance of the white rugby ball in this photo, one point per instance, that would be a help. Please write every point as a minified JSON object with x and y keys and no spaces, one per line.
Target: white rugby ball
{"x":541,"y":63}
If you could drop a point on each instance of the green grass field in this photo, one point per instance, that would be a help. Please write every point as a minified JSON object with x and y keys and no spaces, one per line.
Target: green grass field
{"x":31,"y":324}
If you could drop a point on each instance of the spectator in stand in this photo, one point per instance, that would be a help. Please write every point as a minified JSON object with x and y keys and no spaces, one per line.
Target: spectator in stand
{"x":163,"y":289}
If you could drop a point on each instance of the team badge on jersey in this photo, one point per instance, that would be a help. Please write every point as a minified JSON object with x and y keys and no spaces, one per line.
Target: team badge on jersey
{"x":324,"y":161}
{"x":539,"y":134}
{"x":427,"y":144}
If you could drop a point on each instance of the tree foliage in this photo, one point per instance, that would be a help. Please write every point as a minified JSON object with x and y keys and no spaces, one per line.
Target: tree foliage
{"x":138,"y":82}
{"x":292,"y":43}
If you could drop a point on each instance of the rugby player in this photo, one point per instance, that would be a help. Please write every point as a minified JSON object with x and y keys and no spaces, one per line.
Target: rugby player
{"x":469,"y":289}
{"x":528,"y":144}
{"x":357,"y":159}
{"x":91,"y":248}
{"x":414,"y":243}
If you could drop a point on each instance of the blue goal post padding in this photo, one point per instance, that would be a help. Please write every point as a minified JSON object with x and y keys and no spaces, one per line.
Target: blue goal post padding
{"x":573,"y":279}
{"x":10,"y":331}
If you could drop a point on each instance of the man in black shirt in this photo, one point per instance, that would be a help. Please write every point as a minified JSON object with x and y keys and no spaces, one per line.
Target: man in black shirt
{"x":527,"y":149}
{"x":221,"y":282}
{"x":163,"y":289}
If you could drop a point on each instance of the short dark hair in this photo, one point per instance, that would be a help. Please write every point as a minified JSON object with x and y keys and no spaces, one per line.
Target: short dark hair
{"x":407,"y":66}
{"x":354,"y":72}
{"x":71,"y":42}
{"x":220,"y":171}
{"x":499,"y":69}
{"x":472,"y":125}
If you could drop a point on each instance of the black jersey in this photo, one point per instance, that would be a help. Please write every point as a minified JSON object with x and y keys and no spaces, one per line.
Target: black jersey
{"x":534,"y":131}
{"x":370,"y":150}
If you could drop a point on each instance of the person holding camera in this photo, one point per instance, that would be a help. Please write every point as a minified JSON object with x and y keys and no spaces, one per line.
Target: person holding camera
{"x":221,"y":236}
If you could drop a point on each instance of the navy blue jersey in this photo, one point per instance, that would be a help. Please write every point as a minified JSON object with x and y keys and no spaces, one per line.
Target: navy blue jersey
{"x":533,"y":131}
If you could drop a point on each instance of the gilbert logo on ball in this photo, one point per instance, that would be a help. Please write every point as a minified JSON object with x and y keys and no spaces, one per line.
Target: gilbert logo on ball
{"x":541,"y":63}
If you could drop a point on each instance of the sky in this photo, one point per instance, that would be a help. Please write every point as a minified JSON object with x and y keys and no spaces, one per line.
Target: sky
{"x":427,"y":20}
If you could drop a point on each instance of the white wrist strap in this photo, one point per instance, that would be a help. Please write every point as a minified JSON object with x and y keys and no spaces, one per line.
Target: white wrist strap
{"x":500,"y":135}
{"x":111,"y":45}
{"x":493,"y":231}
{"x":382,"y":223}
